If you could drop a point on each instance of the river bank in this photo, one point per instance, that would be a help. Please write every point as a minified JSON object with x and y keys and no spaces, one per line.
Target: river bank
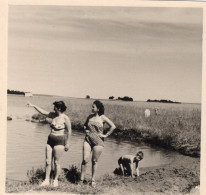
{"x":180,"y":176}
{"x":177,"y":127}
{"x":169,"y":142}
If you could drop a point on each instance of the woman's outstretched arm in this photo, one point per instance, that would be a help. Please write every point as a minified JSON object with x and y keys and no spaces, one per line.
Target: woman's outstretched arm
{"x":40,"y":110}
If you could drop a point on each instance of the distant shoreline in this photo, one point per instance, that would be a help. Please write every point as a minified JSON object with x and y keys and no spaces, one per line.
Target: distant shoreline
{"x":97,"y":98}
{"x":34,"y":95}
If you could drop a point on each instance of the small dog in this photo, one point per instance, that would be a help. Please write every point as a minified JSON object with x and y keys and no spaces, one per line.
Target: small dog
{"x":127,"y":162}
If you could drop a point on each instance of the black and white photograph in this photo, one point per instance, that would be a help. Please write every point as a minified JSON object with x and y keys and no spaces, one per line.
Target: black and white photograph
{"x":104,"y":99}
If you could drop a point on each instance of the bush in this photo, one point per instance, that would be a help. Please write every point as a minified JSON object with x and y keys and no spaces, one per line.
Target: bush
{"x":73,"y":174}
{"x":125,"y":98}
{"x":36,"y":176}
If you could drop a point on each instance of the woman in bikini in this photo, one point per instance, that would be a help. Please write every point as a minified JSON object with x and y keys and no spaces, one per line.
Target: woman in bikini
{"x":94,"y":139}
{"x":58,"y":139}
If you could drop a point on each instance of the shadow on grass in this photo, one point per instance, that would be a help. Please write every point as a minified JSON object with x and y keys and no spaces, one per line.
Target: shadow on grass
{"x":118,"y":171}
{"x":72,"y":174}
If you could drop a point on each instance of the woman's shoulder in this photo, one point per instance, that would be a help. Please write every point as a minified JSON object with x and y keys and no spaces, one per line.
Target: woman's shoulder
{"x":103,"y":117}
{"x":65,"y":116}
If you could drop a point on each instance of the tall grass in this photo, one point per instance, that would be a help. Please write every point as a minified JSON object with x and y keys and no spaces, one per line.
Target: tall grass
{"x":36,"y":176}
{"x":178,"y":126}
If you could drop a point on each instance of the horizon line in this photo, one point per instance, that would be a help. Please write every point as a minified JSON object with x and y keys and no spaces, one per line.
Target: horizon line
{"x":36,"y":94}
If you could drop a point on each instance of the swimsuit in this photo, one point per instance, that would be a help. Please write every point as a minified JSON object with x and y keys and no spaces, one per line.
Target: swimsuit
{"x":57,"y":125}
{"x":95,"y":125}
{"x":54,"y":140}
{"x":56,"y":128}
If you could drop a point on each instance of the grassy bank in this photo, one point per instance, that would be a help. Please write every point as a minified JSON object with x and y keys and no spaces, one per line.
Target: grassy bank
{"x":177,"y":126}
{"x":181,"y":176}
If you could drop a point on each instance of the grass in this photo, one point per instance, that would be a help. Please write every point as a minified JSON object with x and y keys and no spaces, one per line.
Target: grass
{"x":178,"y":126}
{"x":36,"y":176}
{"x":68,"y":182}
{"x":167,"y":179}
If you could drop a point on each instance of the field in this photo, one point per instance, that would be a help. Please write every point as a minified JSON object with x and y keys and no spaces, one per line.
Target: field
{"x":177,"y":126}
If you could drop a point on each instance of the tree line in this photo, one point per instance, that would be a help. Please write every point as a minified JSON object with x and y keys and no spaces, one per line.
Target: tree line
{"x":163,"y":101}
{"x":125,"y":98}
{"x":15,"y":92}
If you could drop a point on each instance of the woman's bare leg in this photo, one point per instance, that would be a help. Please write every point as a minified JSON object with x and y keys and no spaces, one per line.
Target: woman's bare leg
{"x":97,"y":151}
{"x":48,"y":165}
{"x":58,"y":152}
{"x":48,"y":160}
{"x":85,"y":160}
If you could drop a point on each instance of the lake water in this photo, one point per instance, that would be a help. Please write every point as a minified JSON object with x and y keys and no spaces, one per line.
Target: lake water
{"x":26,"y":143}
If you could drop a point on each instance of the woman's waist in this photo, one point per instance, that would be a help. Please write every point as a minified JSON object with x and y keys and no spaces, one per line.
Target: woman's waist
{"x":94,"y":134}
{"x":95,"y":131}
{"x":57,"y":133}
{"x":95,"y":139}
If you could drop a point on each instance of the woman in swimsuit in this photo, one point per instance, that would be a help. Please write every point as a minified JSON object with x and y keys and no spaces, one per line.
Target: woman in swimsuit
{"x":58,"y":140}
{"x":94,"y":140}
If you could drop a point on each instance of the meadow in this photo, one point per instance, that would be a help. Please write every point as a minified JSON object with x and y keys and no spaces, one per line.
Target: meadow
{"x":177,"y":126}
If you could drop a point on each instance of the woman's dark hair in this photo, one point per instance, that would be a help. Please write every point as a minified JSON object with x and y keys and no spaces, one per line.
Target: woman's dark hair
{"x":60,"y":105}
{"x":100,"y":106}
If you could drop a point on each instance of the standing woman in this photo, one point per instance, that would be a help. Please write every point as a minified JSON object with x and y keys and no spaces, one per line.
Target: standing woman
{"x":94,"y":140}
{"x":58,"y":139}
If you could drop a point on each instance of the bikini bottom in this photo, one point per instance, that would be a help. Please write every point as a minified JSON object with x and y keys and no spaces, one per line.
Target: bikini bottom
{"x":54,"y":140}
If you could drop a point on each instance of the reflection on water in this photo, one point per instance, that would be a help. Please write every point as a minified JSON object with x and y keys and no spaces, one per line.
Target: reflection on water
{"x":26,"y":147}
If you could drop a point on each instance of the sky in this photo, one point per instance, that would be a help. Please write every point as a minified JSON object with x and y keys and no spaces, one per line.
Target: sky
{"x":140,"y":52}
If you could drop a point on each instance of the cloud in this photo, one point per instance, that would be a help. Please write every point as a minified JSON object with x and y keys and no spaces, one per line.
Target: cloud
{"x":119,"y":42}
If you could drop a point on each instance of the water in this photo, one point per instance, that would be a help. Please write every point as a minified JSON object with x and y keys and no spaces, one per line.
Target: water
{"x":26,"y":143}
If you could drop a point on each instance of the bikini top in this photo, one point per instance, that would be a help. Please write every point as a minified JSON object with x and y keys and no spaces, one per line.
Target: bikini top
{"x":58,"y":124}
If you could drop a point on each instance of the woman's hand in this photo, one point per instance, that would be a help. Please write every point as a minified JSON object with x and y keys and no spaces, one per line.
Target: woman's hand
{"x":86,"y":131}
{"x":66,"y":147}
{"x":30,"y":104}
{"x":40,"y":110}
{"x":102,"y":135}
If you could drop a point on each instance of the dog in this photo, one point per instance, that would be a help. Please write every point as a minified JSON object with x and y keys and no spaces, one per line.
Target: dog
{"x":128,"y":163}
